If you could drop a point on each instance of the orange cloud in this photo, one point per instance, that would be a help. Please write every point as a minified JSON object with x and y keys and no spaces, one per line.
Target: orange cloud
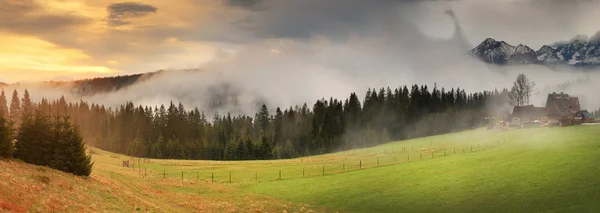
{"x":32,"y":54}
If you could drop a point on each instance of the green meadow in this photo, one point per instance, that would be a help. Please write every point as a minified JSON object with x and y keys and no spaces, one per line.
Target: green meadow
{"x":525,"y":170}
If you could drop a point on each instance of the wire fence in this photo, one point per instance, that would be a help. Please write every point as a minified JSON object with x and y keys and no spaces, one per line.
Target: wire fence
{"x":305,"y":168}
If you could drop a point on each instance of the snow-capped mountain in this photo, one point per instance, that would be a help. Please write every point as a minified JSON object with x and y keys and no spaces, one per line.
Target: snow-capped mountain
{"x":547,"y":54}
{"x":492,"y":51}
{"x":523,"y":55}
{"x":579,"y":53}
{"x":576,"y":53}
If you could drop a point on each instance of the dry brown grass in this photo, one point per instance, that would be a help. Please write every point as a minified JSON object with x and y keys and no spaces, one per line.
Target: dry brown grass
{"x":26,"y":187}
{"x":29,"y":188}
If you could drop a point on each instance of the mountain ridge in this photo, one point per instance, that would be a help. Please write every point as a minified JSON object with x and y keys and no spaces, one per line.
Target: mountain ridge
{"x":577,"y":53}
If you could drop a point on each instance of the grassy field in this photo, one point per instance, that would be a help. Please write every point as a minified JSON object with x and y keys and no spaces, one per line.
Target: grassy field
{"x":527,"y":170}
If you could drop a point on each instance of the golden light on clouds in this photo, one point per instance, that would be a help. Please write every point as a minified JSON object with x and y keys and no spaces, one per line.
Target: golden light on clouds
{"x":48,"y":39}
{"x":30,"y":53}
{"x":112,"y":62}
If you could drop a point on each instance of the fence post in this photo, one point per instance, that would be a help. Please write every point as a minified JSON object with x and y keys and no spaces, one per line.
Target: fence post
{"x":444,"y":152}
{"x":323,"y":169}
{"x":429,"y":143}
{"x":431,"y":154}
{"x":394,"y":158}
{"x":471,"y":148}
{"x":164,"y":174}
{"x":377,"y":161}
{"x":256,"y":177}
{"x":302,"y":171}
{"x":408,"y":158}
{"x":145,"y":174}
{"x":279,"y":174}
{"x":360,"y":165}
{"x":181,"y":175}
{"x":213,"y":177}
{"x":421,"y":155}
{"x":343,"y":167}
{"x":197,"y":176}
{"x":454,"y":150}
{"x":463,"y":150}
{"x":229,"y":177}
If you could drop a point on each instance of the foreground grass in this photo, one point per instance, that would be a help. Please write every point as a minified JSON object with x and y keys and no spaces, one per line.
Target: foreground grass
{"x":538,"y":170}
{"x":113,"y":188}
{"x":528,"y":170}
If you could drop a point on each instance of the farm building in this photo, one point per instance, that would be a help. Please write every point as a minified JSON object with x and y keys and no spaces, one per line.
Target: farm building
{"x":560,"y":108}
{"x":561,"y":105}
{"x":584,"y":116}
{"x":527,"y":113}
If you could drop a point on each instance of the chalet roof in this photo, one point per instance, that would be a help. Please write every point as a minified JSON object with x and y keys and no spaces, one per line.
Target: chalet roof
{"x":574,"y":104}
{"x":528,"y":112}
{"x":554,"y":96}
{"x":586,"y":114}
{"x":561,"y":104}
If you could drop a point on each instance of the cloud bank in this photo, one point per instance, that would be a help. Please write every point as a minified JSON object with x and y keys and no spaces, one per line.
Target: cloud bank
{"x":287,"y":52}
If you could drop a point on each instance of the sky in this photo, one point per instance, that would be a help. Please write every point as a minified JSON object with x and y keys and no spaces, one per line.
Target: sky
{"x":64,"y":39}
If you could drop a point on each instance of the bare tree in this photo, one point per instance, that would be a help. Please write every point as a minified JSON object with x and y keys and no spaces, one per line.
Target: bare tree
{"x":521,"y":91}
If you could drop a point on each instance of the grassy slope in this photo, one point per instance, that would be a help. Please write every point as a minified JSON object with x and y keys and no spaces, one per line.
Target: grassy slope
{"x":546,"y":169}
{"x":113,"y":188}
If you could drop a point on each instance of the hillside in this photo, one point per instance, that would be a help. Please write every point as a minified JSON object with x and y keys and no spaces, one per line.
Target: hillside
{"x":113,"y":188}
{"x":536,"y":170}
{"x":101,"y":85}
{"x":526,"y":170}
{"x":95,"y":85}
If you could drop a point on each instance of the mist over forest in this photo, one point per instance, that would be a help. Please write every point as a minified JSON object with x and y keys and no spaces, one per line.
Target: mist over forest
{"x":395,"y":49}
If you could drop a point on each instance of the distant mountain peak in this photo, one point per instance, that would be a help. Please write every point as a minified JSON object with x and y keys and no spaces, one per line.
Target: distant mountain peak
{"x":493,"y":51}
{"x":523,"y":55}
{"x":577,"y":52}
{"x":489,"y":40}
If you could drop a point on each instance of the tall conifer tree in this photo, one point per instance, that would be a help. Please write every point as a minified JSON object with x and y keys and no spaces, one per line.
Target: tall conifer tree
{"x":6,"y":138}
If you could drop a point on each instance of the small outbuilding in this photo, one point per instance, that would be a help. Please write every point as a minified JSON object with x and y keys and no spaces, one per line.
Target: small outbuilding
{"x":584,"y":116}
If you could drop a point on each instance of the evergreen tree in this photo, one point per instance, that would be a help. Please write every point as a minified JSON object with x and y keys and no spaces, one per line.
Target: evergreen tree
{"x":252,"y":153}
{"x":15,"y":108}
{"x":4,"y":105}
{"x":265,"y":149}
{"x":6,"y":138}
{"x":35,"y":141}
{"x":241,"y":151}
{"x":26,"y":106}
{"x":278,"y":124}
{"x":70,"y":154}
{"x":288,"y":150}
{"x":263,"y":120}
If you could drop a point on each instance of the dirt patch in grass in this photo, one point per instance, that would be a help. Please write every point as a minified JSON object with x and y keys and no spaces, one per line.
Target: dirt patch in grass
{"x":42,"y":179}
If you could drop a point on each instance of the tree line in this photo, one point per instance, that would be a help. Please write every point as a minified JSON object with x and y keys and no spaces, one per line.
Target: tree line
{"x":41,"y":139}
{"x":328,"y":125}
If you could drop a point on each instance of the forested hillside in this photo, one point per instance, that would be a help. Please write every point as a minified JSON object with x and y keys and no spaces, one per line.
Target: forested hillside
{"x":328,"y":125}
{"x":94,"y":85}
